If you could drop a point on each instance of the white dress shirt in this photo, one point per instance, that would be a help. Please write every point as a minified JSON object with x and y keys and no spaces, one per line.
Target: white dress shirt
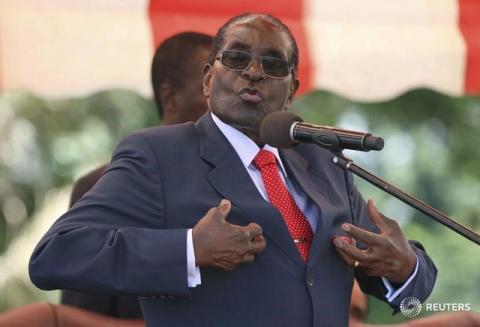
{"x":247,"y":150}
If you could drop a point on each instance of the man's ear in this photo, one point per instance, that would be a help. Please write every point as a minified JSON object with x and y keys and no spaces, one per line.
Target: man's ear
{"x":167,"y":97}
{"x":293,"y":89}
{"x":207,"y":80}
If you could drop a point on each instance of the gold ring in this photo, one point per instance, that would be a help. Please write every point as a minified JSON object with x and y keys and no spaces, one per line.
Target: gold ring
{"x":355,"y":265}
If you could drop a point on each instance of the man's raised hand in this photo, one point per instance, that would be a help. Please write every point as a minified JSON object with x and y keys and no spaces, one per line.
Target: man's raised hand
{"x":217,"y":243}
{"x":388,"y":254}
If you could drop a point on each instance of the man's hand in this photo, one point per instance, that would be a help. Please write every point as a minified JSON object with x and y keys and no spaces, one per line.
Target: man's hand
{"x":220,"y":244}
{"x":388,"y":254}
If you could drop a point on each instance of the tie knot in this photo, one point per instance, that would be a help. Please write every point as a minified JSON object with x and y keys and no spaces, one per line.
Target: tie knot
{"x":264,"y":158}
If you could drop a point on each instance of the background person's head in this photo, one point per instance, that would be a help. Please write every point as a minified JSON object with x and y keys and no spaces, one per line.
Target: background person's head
{"x":177,"y":73}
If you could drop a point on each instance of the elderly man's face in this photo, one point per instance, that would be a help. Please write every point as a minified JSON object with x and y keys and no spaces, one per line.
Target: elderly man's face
{"x":243,"y":98}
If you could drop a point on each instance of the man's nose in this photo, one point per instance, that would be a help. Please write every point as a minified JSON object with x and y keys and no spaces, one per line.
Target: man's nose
{"x":254,"y":72}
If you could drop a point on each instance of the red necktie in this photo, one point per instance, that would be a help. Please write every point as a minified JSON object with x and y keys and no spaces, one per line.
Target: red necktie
{"x":281,"y":198}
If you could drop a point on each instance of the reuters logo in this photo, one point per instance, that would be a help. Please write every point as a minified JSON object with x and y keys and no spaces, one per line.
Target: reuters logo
{"x":410,"y":307}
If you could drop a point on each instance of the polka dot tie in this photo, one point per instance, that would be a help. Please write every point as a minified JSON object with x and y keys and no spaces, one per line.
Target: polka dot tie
{"x":281,"y":198}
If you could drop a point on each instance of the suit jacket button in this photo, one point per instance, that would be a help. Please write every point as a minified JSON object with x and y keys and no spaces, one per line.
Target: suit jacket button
{"x":310,"y":281}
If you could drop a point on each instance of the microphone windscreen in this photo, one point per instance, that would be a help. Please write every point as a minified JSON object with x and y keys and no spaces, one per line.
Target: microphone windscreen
{"x":275,"y":129}
{"x":373,"y":143}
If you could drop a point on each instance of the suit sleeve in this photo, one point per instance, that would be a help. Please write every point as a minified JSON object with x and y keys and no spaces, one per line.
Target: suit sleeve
{"x":114,"y":238}
{"x":420,"y":287}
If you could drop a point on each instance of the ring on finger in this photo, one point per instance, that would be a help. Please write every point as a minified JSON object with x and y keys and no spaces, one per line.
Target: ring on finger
{"x":356,"y":263}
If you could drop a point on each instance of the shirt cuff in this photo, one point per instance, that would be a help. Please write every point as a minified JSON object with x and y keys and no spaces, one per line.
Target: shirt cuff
{"x":193,"y":272}
{"x":392,"y":293}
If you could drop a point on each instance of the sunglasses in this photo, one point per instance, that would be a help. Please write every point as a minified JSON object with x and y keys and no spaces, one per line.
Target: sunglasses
{"x":240,"y":60}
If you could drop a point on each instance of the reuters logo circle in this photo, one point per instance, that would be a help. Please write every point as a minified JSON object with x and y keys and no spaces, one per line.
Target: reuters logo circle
{"x":410,"y":307}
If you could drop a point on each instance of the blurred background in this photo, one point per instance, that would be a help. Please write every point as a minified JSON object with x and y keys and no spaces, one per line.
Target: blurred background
{"x":74,"y":80}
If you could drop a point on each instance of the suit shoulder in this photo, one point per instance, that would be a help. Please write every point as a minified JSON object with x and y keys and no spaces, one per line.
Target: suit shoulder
{"x":165,"y":134}
{"x":159,"y":142}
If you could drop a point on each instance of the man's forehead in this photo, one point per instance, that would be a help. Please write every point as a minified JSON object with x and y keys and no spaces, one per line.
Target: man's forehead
{"x":259,"y":34}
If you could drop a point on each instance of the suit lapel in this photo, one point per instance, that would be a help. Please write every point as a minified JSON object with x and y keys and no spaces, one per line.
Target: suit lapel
{"x":229,"y":178}
{"x":314,"y":187}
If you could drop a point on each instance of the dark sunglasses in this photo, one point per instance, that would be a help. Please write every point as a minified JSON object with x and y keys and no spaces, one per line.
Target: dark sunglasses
{"x":241,"y":60}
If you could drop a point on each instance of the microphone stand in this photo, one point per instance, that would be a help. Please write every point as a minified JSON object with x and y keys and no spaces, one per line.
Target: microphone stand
{"x":348,"y":164}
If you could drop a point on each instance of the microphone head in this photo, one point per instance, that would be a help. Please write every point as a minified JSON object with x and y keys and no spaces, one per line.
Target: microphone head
{"x":373,"y":143}
{"x":275,"y":129}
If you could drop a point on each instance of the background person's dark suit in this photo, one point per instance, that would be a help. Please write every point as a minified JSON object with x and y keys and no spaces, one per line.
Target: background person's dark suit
{"x":160,"y":183}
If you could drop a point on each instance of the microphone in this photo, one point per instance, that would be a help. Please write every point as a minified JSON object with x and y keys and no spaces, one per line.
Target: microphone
{"x":283,"y":129}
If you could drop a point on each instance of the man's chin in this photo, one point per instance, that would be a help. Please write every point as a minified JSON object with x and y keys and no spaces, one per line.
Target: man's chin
{"x":246,"y":128}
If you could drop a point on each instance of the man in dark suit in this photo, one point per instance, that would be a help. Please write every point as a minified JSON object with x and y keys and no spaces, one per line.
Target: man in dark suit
{"x":177,"y":63}
{"x":214,"y":228}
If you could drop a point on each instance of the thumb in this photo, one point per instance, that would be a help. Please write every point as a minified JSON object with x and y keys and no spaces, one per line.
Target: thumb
{"x":223,"y":209}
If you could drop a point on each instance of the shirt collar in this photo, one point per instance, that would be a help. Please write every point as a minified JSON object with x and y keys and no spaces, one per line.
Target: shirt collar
{"x":243,"y":145}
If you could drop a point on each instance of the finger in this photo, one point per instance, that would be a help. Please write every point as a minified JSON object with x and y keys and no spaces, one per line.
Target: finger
{"x":223,"y":209}
{"x":249,"y":257}
{"x":258,"y":245}
{"x":259,"y":238}
{"x":254,"y":230}
{"x":350,"y":250}
{"x":224,"y":265}
{"x":366,"y":236}
{"x":347,"y":258}
{"x":375,"y":215}
{"x":344,"y":238}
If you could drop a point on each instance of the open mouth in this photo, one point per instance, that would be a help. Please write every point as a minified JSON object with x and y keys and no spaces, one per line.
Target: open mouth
{"x":250,"y":95}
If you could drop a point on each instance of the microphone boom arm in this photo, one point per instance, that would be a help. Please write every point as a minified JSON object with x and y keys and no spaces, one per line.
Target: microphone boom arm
{"x":426,"y":209}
